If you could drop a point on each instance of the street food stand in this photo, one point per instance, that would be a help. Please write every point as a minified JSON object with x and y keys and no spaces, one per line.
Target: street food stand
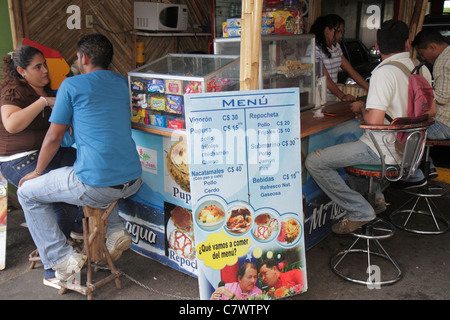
{"x":161,"y":217}
{"x":172,"y":215}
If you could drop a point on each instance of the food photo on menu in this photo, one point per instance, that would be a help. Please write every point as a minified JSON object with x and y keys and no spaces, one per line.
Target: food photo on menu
{"x":178,"y":164}
{"x":179,"y":232}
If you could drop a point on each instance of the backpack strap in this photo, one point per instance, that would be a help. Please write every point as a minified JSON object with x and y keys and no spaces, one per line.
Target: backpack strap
{"x":405,"y":70}
{"x":401,"y":66}
{"x":417,"y":67}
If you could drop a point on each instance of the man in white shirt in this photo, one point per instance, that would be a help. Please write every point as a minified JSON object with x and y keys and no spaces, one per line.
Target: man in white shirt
{"x":388,"y":94}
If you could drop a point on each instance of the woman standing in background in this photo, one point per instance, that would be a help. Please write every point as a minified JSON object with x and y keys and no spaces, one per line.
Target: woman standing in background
{"x":328,"y":30}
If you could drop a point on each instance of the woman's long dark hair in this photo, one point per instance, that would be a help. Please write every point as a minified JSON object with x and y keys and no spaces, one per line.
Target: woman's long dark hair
{"x":332,"y":21}
{"x":21,"y":57}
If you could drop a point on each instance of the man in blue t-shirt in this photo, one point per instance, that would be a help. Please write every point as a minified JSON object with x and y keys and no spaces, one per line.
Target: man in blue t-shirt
{"x":96,"y":105}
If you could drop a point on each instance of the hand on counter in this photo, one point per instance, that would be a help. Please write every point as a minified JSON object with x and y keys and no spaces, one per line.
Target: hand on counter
{"x":347,"y":98}
{"x":357,"y":108}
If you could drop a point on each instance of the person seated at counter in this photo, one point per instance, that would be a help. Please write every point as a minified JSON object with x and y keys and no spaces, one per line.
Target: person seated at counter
{"x":328,"y":30}
{"x":244,"y":288}
{"x":274,"y":278}
{"x":388,"y":94}
{"x":432,"y":47}
{"x":26,"y":103}
{"x":97,"y":105}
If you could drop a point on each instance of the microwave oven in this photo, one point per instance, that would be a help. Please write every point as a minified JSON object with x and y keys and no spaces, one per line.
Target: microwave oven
{"x":156,"y":16}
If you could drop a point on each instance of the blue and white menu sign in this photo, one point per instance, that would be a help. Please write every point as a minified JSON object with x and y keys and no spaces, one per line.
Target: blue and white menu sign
{"x":246,"y":188}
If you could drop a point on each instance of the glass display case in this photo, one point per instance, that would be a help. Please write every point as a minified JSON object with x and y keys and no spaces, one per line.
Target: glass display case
{"x":286,"y":61}
{"x":157,"y":89}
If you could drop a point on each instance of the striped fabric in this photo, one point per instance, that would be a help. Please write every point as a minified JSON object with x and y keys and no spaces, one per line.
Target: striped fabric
{"x":441,"y":73}
{"x":332,"y":64}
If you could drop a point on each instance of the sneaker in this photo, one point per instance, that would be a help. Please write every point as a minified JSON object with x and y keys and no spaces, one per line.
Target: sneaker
{"x":52,"y":283}
{"x":76,"y":236}
{"x":345,"y":226}
{"x":409,"y":185}
{"x":116,"y":243}
{"x":69,"y":267}
{"x":432,"y":174}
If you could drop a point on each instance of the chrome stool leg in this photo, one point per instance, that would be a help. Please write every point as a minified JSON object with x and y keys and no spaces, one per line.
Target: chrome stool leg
{"x":422,"y":220}
{"x":372,"y":232}
{"x":412,"y":220}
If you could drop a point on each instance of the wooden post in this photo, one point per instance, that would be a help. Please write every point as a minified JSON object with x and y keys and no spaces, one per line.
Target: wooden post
{"x":416,"y":22}
{"x":256,"y":42}
{"x":246,"y":19}
{"x":12,"y":23}
{"x":250,"y":43}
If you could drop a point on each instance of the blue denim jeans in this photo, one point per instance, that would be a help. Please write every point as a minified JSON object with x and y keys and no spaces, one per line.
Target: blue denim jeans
{"x":62,"y":185}
{"x":323,"y":166}
{"x":438,"y":131}
{"x":16,"y":169}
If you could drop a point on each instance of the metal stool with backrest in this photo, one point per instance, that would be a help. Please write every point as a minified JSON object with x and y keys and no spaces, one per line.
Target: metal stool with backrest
{"x":419,"y":218}
{"x":343,"y":263}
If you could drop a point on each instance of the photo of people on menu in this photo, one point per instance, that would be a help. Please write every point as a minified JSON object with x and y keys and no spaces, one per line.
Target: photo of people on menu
{"x":273,"y":275}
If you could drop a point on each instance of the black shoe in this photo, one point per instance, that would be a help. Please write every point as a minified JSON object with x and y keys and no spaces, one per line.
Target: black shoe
{"x":432,"y":174}
{"x":409,"y":185}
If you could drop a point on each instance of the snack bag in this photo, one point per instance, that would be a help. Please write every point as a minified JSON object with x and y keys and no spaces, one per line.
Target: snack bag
{"x":284,"y":22}
{"x":158,"y":103}
{"x":174,"y":123}
{"x":139,"y":100}
{"x":174,"y":87}
{"x":137,"y":85}
{"x":139,"y":116}
{"x":156,"y":85}
{"x":174,"y":104}
{"x":157,"y":120}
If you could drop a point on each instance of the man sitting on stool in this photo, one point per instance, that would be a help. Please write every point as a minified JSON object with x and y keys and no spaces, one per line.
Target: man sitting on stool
{"x":97,"y":106}
{"x":432,"y":47}
{"x":388,"y":94}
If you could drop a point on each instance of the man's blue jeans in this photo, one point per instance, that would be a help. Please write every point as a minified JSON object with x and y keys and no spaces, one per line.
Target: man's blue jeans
{"x":62,"y":185}
{"x":438,"y":131}
{"x":323,"y":166}
{"x":16,"y":169}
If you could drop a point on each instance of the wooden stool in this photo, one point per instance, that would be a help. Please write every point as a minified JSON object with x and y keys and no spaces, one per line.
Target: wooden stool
{"x":33,"y":257}
{"x":95,"y":223}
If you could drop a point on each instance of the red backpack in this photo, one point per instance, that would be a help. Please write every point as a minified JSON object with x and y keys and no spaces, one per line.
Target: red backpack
{"x":420,"y":92}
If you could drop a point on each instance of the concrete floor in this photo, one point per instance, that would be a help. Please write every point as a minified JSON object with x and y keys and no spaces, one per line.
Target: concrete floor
{"x":424,"y":260}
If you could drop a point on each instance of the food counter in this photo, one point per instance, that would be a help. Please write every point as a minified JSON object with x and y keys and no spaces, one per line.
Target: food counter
{"x":159,"y":216}
{"x":339,"y":126}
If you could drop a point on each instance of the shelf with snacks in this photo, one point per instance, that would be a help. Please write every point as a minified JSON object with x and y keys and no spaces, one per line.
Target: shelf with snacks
{"x":157,"y":89}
